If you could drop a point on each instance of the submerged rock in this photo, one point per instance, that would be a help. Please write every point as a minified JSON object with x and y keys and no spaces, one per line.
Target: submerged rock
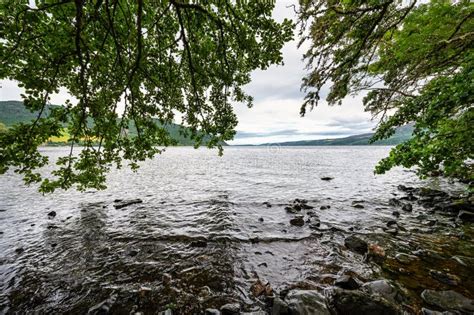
{"x":355,"y":244}
{"x":358,"y":206}
{"x":466,"y":216}
{"x":125,"y":203}
{"x":327,"y":178}
{"x":198,"y":243}
{"x":445,"y":277}
{"x":306,"y":302}
{"x":346,"y":282}
{"x":448,"y":300}
{"x":356,"y":302}
{"x":52,"y":214}
{"x":230,"y":309}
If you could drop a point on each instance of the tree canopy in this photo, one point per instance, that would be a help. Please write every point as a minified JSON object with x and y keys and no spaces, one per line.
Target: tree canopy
{"x":414,"y":61}
{"x":128,"y":62}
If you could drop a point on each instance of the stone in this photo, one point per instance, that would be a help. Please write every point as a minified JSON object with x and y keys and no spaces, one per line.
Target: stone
{"x":327,"y":178}
{"x":358,"y":206}
{"x":466,"y":216}
{"x":464,"y":260}
{"x":355,"y":302}
{"x":230,"y":309}
{"x":125,"y":203}
{"x":324,"y":207}
{"x":52,"y":214}
{"x":355,"y":244}
{"x":133,"y":253}
{"x":448,"y":300}
{"x":394,"y":202}
{"x":391,"y":222}
{"x":407,"y":207}
{"x":297,"y":221}
{"x":445,"y":277}
{"x":396,"y":213}
{"x":392,"y":231}
{"x":375,"y":253}
{"x":425,"y":311}
{"x":406,"y":258}
{"x":385,"y":289}
{"x":279,"y":307}
{"x":198,"y":243}
{"x":306,"y":302}
{"x":259,"y":312}
{"x":260,"y":219}
{"x":166,"y":312}
{"x":19,"y":250}
{"x":259,"y":288}
{"x":212,"y":311}
{"x":346,"y":282}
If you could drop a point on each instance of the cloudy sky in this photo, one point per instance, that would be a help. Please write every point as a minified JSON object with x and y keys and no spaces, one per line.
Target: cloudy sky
{"x":277,"y":100}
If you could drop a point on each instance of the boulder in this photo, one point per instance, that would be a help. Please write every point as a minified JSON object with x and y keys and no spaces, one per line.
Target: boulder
{"x":346,"y":282}
{"x":466,"y":216}
{"x":297,"y":221}
{"x":306,"y":302}
{"x":385,"y":289}
{"x":355,"y":244}
{"x":279,"y":307}
{"x":448,"y":300}
{"x":355,"y":302}
{"x":358,"y":206}
{"x":425,"y":311}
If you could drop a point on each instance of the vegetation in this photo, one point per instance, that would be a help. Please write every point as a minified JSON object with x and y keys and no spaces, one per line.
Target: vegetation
{"x":128,"y":62}
{"x":14,"y":112}
{"x":414,"y":61}
{"x":3,"y":128}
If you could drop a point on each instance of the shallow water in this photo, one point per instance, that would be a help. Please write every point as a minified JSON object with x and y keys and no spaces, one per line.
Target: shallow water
{"x":90,"y":249}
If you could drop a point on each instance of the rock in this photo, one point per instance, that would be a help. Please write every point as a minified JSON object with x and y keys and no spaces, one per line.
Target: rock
{"x":358,"y":206}
{"x":394,"y":202}
{"x":375,"y":253}
{"x":259,"y":288}
{"x":463,"y":260}
{"x":260,"y":312}
{"x":260,"y":219}
{"x":327,"y":178}
{"x":297,"y":207}
{"x":405,"y":188}
{"x":212,"y":311}
{"x":392,"y":231}
{"x":406,"y":258}
{"x":230,"y":309}
{"x":279,"y":307}
{"x":445,"y":277}
{"x":306,"y":302}
{"x":291,"y":210}
{"x":19,"y":250}
{"x":355,"y":244}
{"x":198,"y":243}
{"x":391,"y":222}
{"x":306,"y":207}
{"x":104,"y":306}
{"x":52,"y":214}
{"x":396,"y":213}
{"x":125,"y":203}
{"x":355,"y":302}
{"x":166,"y":312}
{"x":297,"y":221}
{"x":346,"y":282}
{"x":425,"y":311}
{"x":466,"y":216}
{"x":448,"y":300}
{"x":266,"y":203}
{"x":166,"y":279}
{"x":133,"y":253}
{"x":324,"y":207}
{"x":407,"y":207}
{"x":385,"y":289}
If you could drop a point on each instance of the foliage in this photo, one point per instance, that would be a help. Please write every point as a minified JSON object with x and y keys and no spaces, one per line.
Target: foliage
{"x":415,"y":64}
{"x":3,"y":128}
{"x":128,"y":62}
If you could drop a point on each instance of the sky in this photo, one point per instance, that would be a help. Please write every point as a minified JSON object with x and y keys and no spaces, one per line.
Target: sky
{"x":277,"y":100}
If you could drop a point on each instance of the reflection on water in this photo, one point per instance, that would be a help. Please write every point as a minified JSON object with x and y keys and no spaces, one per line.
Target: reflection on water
{"x":203,"y":234}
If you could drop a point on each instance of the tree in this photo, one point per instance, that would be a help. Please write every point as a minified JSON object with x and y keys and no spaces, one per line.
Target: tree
{"x":415,"y":62}
{"x":128,"y":62}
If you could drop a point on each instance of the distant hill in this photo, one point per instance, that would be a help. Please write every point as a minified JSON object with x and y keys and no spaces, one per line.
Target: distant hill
{"x":13,"y":112}
{"x":402,"y":134}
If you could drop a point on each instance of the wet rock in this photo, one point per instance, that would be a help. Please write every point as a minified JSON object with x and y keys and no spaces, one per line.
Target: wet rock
{"x":324,"y":207}
{"x":212,"y":311}
{"x":52,"y":214}
{"x":466,"y":216}
{"x":445,"y":277}
{"x":391,"y":222}
{"x":166,"y":279}
{"x":103,"y":307}
{"x":291,"y":210}
{"x":392,"y":231}
{"x":346,"y":282}
{"x":260,"y":288}
{"x":356,"y":302}
{"x":448,"y":300}
{"x":355,"y":244}
{"x":260,"y":219}
{"x":358,"y":206}
{"x":385,"y":289}
{"x":405,"y":188}
{"x":306,"y":206}
{"x":297,"y":221}
{"x":125,"y":203}
{"x":198,"y":243}
{"x":166,"y":312}
{"x":463,"y":260}
{"x":306,"y":302}
{"x":327,"y":178}
{"x":230,"y":309}
{"x":267,"y":204}
{"x":260,"y":312}
{"x":407,"y":207}
{"x":425,"y":311}
{"x":406,"y":258}
{"x":19,"y":250}
{"x":133,"y":253}
{"x":375,"y":253}
{"x":396,"y":213}
{"x":279,"y":307}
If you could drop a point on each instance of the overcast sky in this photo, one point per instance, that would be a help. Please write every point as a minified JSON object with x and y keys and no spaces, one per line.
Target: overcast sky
{"x":277,"y":100}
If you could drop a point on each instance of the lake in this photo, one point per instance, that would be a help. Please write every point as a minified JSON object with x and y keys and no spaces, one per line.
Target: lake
{"x":209,"y":226}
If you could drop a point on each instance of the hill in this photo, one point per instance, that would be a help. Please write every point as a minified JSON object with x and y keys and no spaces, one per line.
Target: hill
{"x":13,"y":112}
{"x":402,"y":134}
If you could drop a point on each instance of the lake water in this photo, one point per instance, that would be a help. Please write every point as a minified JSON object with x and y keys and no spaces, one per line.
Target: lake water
{"x":73,"y":261}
